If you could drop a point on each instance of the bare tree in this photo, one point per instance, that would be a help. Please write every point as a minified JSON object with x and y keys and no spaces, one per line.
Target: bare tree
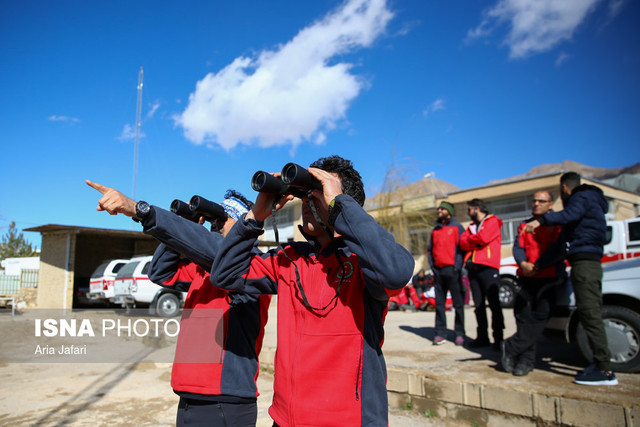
{"x":406,"y":210}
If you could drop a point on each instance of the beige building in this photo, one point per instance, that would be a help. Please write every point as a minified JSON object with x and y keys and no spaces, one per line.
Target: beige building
{"x":69,"y":255}
{"x":409,"y":215}
{"x":511,"y":202}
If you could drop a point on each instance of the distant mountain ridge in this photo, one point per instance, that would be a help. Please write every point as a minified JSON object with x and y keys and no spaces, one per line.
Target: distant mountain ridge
{"x":427,"y":186}
{"x":627,"y":178}
{"x":599,"y":174}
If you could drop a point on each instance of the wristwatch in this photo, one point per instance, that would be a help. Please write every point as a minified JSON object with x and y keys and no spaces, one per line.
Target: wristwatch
{"x":142,"y":211}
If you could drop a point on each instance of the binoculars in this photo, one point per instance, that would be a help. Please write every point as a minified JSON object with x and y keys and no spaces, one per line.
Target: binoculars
{"x":294,"y":180}
{"x":199,"y":206}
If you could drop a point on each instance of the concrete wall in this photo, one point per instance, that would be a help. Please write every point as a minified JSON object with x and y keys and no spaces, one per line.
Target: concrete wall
{"x":55,"y":282}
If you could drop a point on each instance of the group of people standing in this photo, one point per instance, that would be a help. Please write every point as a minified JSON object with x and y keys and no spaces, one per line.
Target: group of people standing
{"x":476,"y":249}
{"x":333,"y":291}
{"x":545,"y":241}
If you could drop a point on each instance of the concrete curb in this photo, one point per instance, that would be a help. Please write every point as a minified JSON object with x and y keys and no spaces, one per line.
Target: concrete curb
{"x":490,"y":405}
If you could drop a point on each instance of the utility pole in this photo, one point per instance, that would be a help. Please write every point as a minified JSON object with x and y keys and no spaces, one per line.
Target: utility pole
{"x":138,"y":125}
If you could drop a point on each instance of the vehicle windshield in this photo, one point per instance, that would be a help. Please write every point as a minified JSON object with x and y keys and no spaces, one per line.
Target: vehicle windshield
{"x":127,"y":270}
{"x":145,"y":269}
{"x":99,"y":272}
{"x":118,"y":267}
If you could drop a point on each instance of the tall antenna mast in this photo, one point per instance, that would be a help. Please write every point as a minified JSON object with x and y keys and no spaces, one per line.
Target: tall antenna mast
{"x":138,"y":125}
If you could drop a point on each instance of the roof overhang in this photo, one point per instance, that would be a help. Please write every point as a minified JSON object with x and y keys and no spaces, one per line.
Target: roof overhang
{"x":74,"y":229}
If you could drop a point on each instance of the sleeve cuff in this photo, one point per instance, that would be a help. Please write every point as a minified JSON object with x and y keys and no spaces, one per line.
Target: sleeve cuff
{"x":252,"y":223}
{"x":149,"y":221}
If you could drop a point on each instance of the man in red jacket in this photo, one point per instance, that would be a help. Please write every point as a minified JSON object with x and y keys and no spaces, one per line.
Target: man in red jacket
{"x":215,"y":379}
{"x":540,"y":259}
{"x":445,"y":259}
{"x":216,"y":363}
{"x":332,"y":292}
{"x":482,"y":241}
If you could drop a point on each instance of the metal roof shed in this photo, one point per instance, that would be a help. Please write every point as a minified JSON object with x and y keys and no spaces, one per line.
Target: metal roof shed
{"x":69,"y":254}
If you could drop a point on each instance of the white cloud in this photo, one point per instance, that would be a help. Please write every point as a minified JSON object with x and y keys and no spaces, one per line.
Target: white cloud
{"x":562,"y":57}
{"x":66,"y":119}
{"x":129,"y":133}
{"x":615,"y":6}
{"x":153,"y":109}
{"x":535,"y":25}
{"x":436,"y":105}
{"x":294,"y":93}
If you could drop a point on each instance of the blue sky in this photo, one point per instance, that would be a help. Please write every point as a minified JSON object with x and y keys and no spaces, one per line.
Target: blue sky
{"x":471,"y":91}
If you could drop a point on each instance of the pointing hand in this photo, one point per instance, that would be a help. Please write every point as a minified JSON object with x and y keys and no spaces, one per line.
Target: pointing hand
{"x":113,"y":201}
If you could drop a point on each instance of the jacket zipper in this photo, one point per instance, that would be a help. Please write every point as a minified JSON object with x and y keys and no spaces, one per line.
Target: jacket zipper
{"x":359,"y":368}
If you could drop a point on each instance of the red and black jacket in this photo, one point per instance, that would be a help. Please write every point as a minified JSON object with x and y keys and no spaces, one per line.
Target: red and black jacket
{"x":329,"y":367}
{"x":545,"y":248}
{"x":484,"y":246}
{"x":222,"y":331}
{"x":444,"y":245}
{"x":583,"y":221}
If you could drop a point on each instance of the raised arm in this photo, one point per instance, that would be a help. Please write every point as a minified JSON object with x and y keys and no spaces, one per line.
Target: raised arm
{"x":488,"y":232}
{"x":465,"y":241}
{"x":384,"y":263}
{"x":240,"y":267}
{"x":169,"y":270}
{"x":555,"y":253}
{"x":571,"y":213}
{"x":182,"y":235}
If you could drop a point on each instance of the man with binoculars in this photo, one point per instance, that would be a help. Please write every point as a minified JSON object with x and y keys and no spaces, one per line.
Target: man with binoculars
{"x":332,"y":295}
{"x":216,"y":362}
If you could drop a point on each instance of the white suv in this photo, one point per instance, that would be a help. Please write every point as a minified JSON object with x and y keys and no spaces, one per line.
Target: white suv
{"x":620,"y":312}
{"x":101,"y":282}
{"x":133,"y":288}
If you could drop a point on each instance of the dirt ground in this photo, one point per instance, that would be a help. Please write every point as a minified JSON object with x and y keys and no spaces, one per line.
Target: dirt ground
{"x":136,"y":392}
{"x":101,"y":394}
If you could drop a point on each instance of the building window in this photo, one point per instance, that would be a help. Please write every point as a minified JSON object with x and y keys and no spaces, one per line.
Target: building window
{"x":509,"y":229}
{"x":512,"y":212}
{"x":284,"y":223}
{"x":283,"y":217}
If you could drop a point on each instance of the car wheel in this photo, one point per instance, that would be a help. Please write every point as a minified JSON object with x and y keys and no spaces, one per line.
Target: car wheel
{"x":168,"y":305}
{"x":623,"y":335}
{"x":507,"y":291}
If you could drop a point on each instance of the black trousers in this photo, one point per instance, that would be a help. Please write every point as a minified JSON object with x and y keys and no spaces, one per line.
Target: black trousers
{"x":448,"y":279}
{"x":586,"y":277}
{"x":485,"y":284}
{"x":205,"y":413}
{"x":532,"y":308}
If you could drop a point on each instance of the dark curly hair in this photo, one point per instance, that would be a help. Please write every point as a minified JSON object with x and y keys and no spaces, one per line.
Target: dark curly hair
{"x":351,"y":179}
{"x":478,"y":203}
{"x":234,"y":193}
